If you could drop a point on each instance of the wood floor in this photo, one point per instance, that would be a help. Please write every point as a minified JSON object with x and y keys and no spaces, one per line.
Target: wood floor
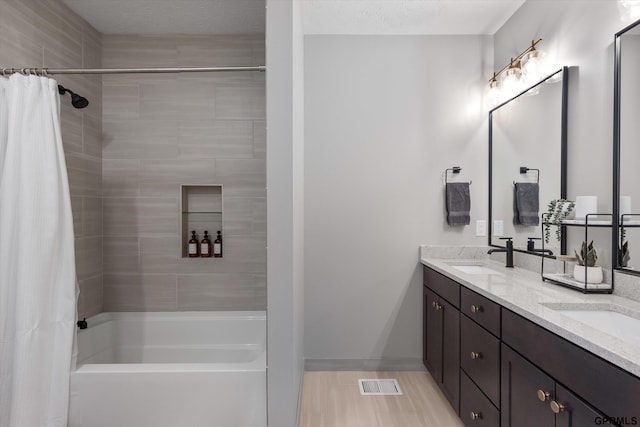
{"x":332,"y":399}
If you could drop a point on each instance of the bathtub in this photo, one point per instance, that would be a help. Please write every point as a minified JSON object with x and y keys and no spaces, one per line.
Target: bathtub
{"x":182,"y":369}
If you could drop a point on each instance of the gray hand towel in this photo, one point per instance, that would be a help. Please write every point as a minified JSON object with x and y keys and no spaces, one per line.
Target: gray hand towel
{"x":516,"y":214}
{"x":527,"y":203}
{"x":458,"y":203}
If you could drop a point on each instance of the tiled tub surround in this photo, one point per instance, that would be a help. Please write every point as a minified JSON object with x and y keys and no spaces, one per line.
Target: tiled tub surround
{"x":524,"y":293}
{"x":39,"y":33}
{"x":171,"y":369}
{"x":161,"y":131}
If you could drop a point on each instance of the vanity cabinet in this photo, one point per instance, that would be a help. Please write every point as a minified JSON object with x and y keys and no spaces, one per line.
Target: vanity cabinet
{"x":602,"y":387}
{"x":479,"y":360}
{"x":441,"y":330}
{"x":499,"y":369}
{"x":530,"y":398}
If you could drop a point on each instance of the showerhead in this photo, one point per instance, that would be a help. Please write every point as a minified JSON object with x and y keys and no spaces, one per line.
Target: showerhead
{"x":76,"y":100}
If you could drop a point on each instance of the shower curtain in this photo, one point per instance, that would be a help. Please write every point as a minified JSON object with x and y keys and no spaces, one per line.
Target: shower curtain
{"x":37,"y":260}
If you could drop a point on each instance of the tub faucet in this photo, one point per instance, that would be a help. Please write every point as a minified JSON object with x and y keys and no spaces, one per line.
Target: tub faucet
{"x":508,"y":250}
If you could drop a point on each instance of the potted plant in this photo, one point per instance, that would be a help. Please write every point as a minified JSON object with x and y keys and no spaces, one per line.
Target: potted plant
{"x":586,"y":270}
{"x":557,"y":211}
{"x":623,"y":255}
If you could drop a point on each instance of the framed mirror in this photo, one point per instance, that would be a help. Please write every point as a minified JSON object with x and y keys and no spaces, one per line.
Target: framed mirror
{"x":528,"y":163}
{"x":626,"y":203}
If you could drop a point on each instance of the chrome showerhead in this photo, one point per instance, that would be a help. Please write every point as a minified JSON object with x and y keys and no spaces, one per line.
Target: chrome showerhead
{"x":76,"y":100}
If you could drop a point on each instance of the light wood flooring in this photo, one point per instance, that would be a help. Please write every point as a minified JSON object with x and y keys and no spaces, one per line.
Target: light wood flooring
{"x":332,"y":399}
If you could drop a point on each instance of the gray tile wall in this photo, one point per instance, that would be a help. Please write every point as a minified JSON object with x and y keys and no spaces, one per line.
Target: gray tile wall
{"x":164,"y":130}
{"x":48,"y":34}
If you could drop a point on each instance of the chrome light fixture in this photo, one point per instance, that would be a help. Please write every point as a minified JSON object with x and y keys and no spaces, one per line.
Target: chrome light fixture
{"x":523,"y":70}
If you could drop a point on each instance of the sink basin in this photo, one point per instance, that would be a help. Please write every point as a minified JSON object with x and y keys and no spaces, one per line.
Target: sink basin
{"x":606,"y":319}
{"x":475,"y":269}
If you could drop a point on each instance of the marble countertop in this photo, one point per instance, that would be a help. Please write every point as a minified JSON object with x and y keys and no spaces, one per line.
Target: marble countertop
{"x":523,"y":292}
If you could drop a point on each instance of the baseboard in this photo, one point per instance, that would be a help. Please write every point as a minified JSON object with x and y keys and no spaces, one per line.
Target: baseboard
{"x":408,"y":364}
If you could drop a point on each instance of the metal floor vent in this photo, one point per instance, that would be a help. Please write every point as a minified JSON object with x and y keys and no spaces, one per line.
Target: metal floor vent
{"x":379,"y":387}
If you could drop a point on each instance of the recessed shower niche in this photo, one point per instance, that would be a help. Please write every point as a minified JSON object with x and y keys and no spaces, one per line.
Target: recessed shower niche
{"x":201,"y":211}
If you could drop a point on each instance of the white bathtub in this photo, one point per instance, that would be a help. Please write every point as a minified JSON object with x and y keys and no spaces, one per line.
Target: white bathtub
{"x":184,"y":369}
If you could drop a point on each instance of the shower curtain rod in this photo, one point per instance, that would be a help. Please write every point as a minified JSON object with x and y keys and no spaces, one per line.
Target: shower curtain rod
{"x":52,"y":71}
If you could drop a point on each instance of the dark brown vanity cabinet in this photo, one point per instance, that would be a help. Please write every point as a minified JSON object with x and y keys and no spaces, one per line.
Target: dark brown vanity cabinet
{"x":479,"y":360}
{"x":441,"y":330}
{"x":579,"y":387}
{"x":530,"y":398}
{"x":499,"y":369}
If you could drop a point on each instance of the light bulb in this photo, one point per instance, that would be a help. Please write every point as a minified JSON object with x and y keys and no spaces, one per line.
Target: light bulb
{"x":494,"y":93}
{"x":531,"y":64}
{"x":511,"y":81}
{"x":629,"y":9}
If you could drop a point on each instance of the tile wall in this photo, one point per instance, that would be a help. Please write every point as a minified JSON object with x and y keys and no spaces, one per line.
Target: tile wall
{"x":164,"y":130}
{"x":48,"y":34}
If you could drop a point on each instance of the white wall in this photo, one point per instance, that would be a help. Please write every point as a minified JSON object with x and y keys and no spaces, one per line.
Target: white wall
{"x":576,"y":33}
{"x":384,"y":117}
{"x":284,"y":211}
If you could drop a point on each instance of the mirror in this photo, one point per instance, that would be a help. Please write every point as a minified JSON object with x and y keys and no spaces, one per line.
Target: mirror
{"x":626,"y":209}
{"x":527,"y":163}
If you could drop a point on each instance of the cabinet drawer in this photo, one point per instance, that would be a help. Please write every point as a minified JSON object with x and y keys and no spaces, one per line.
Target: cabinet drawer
{"x":442,"y":285}
{"x":480,"y":358}
{"x":605,"y":386}
{"x":475,"y":409}
{"x":481,"y":310}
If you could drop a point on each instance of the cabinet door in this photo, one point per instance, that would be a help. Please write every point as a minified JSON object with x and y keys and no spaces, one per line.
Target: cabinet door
{"x":573,"y":412}
{"x":432,"y":335}
{"x":522,"y":382}
{"x":451,"y":354}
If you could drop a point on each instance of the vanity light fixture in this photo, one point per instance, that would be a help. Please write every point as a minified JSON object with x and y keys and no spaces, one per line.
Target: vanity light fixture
{"x":629,"y":9}
{"x":524,"y":69}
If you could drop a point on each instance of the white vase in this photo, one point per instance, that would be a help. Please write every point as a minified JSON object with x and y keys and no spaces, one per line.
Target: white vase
{"x":586,"y":205}
{"x":593,"y":274}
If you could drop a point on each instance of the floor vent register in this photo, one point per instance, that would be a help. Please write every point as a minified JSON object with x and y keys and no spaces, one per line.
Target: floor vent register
{"x":379,"y":387}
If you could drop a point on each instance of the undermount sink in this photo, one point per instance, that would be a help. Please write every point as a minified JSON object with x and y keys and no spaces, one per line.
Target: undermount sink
{"x":607,"y":318}
{"x":475,"y":269}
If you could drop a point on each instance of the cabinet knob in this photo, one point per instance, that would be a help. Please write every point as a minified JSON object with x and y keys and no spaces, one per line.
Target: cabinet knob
{"x":437,"y":305}
{"x":434,"y":304}
{"x":475,"y":355}
{"x":543,"y":395}
{"x":556,"y":407}
{"x":476,"y":308}
{"x":476,"y":415}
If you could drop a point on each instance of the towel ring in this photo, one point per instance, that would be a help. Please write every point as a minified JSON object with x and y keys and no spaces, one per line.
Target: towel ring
{"x":455,"y":170}
{"x":524,"y":170}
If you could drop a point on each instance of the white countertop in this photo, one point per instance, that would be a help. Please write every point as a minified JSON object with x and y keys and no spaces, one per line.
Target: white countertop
{"x":524,"y":293}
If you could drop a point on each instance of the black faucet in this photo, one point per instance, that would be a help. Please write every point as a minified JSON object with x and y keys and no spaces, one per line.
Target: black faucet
{"x":508,"y":250}
{"x":531,"y":246}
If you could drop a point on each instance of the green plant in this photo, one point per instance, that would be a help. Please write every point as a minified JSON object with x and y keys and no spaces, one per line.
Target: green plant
{"x":623,"y":255}
{"x":587,"y":256}
{"x":557,"y":211}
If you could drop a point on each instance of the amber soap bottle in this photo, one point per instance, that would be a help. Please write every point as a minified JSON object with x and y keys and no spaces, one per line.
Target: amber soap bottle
{"x":194,"y":246}
{"x":205,"y":246}
{"x":217,"y":246}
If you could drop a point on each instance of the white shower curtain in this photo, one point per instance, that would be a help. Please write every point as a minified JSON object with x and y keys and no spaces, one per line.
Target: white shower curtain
{"x":37,"y":261}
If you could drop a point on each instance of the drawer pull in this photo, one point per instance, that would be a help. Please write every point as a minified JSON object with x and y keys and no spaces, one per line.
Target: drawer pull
{"x":543,"y":395}
{"x":556,"y":407}
{"x":476,"y":355}
{"x":476,"y":415}
{"x":476,"y":308}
